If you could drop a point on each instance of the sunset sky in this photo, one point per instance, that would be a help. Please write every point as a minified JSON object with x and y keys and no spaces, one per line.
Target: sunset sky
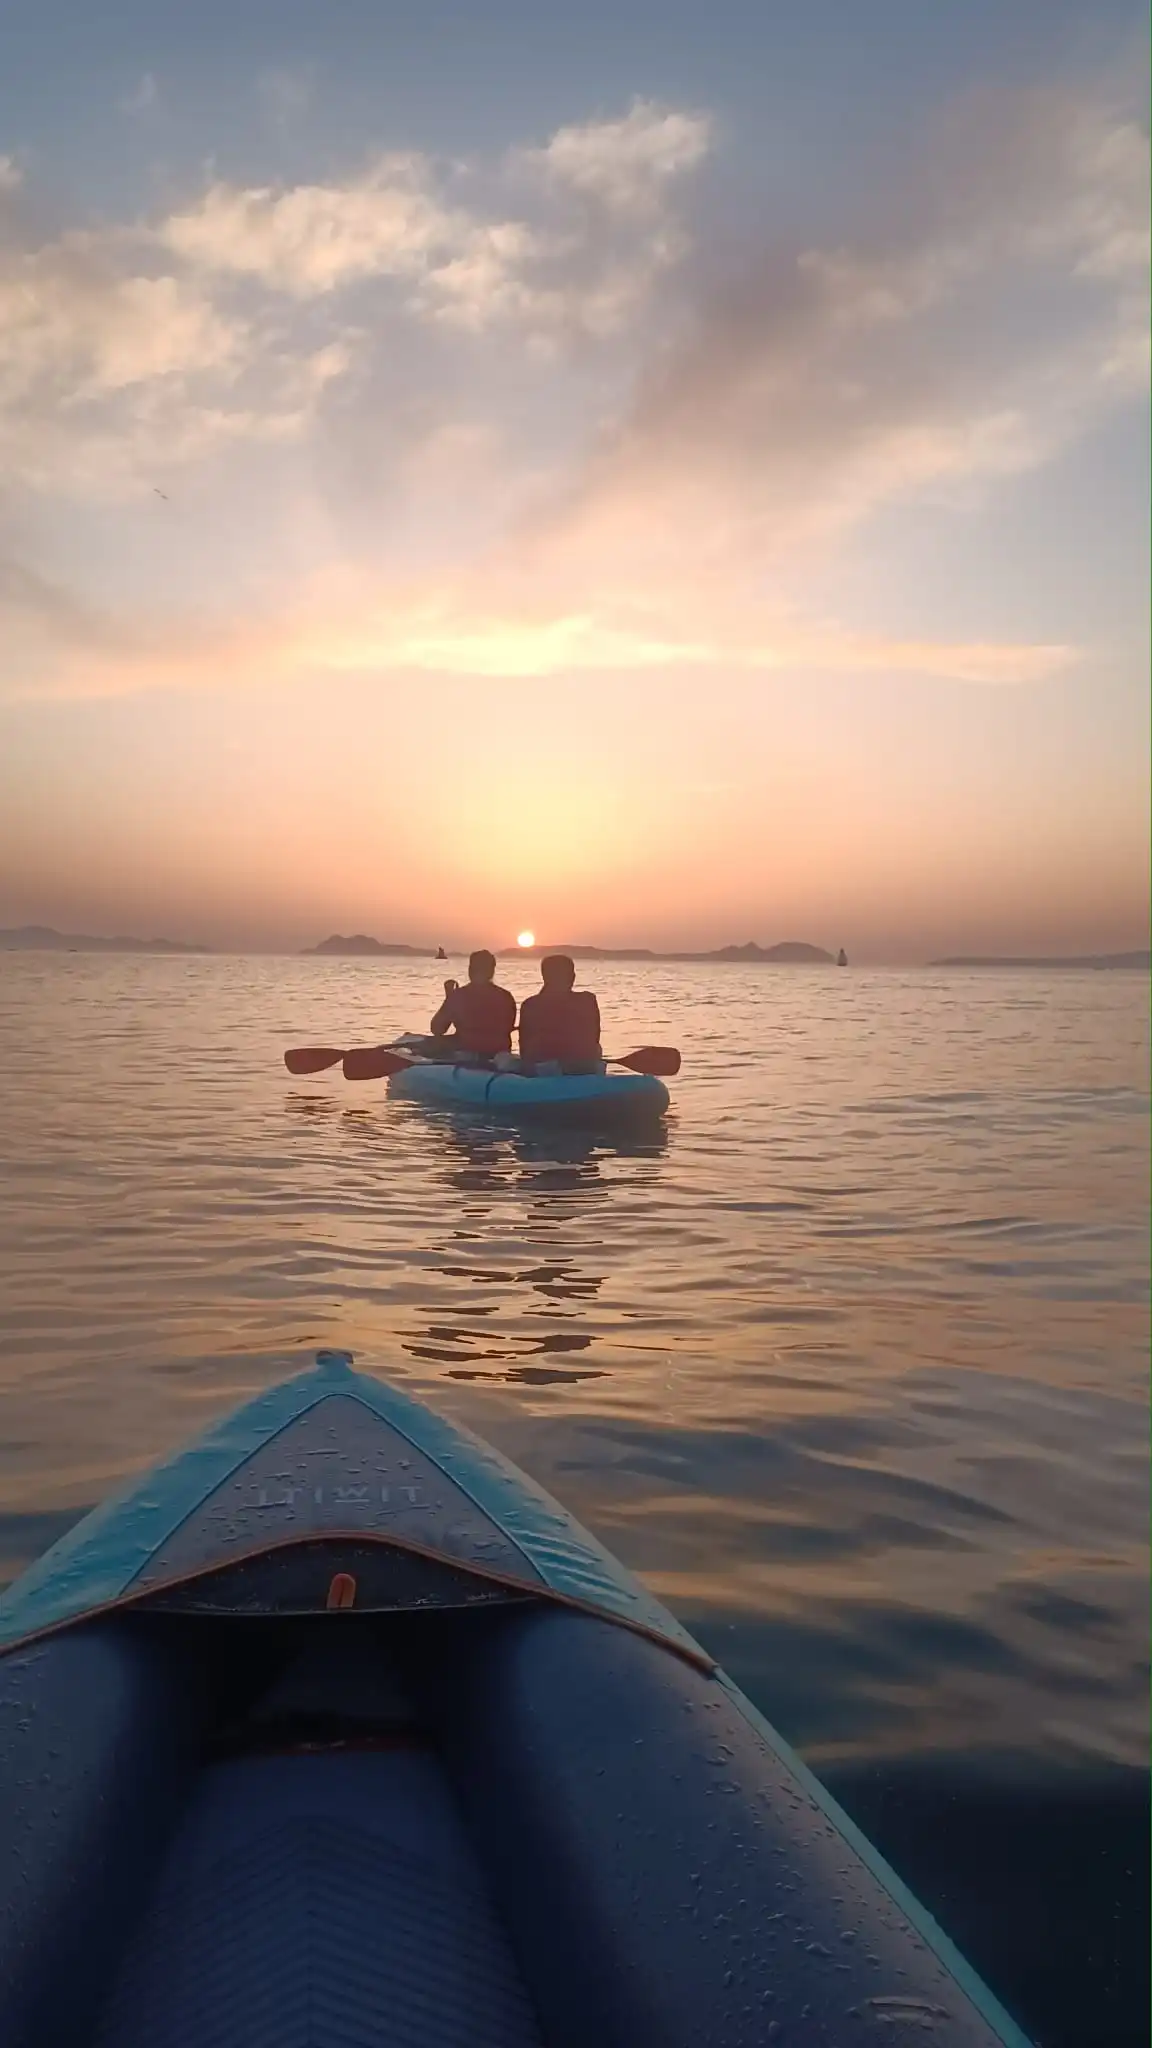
{"x":647,"y":472}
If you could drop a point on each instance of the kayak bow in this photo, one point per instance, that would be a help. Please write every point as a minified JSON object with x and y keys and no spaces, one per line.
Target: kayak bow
{"x":335,"y":1730}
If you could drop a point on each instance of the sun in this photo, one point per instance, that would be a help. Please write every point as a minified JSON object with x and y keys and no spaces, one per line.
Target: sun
{"x":525,"y":938}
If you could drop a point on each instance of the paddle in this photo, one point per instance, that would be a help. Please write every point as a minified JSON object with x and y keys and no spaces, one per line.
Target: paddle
{"x":375,"y":1062}
{"x":311,"y":1059}
{"x":369,"y":1063}
{"x":663,"y":1060}
{"x":372,"y":1063}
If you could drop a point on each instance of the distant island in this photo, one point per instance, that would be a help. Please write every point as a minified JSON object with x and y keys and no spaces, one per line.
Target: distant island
{"x":1100,"y":961}
{"x":792,"y":953}
{"x":360,"y":945}
{"x":40,"y":938}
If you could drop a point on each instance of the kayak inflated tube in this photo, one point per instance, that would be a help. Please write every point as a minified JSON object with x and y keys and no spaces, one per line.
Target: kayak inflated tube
{"x":593,"y":1098}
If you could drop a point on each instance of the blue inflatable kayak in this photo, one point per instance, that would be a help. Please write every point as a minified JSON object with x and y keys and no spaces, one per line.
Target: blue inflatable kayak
{"x":336,"y":1732}
{"x":562,"y":1098}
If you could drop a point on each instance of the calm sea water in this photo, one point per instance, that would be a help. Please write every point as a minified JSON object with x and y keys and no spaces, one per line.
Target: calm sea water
{"x":850,"y":1364}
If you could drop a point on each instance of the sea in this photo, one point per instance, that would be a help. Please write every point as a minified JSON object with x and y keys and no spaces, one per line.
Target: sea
{"x":849,"y":1361}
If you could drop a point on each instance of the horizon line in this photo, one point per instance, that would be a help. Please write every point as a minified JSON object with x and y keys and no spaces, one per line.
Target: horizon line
{"x":374,"y":949}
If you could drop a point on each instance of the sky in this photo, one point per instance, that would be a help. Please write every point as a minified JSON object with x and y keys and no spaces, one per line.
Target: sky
{"x":649,"y":474}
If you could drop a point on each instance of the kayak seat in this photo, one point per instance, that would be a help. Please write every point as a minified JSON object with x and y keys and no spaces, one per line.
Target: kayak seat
{"x":99,"y":1732}
{"x":325,"y":1900}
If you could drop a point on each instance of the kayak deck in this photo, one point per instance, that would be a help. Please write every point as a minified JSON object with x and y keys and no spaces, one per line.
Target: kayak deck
{"x":336,"y":1732}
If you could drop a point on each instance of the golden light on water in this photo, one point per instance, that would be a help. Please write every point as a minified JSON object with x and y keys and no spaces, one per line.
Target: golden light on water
{"x":525,"y":938}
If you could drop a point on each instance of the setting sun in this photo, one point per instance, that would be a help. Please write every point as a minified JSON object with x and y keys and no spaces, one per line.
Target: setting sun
{"x":525,"y":938}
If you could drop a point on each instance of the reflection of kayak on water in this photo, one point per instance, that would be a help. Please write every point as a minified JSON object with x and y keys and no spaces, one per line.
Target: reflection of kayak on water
{"x":335,"y":1728}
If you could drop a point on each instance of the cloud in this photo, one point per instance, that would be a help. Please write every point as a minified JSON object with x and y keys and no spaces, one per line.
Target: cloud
{"x":311,"y":239}
{"x":69,"y":323}
{"x":547,"y":276}
{"x":127,"y":344}
{"x":111,"y":362}
{"x":389,"y":224}
{"x":959,"y":332}
{"x":492,"y":622}
{"x":80,"y":341}
{"x":624,"y":165}
{"x":998,"y":308}
{"x":144,"y":96}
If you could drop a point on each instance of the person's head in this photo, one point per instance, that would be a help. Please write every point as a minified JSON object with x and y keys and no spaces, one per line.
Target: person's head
{"x":481,"y":966}
{"x":558,"y":971}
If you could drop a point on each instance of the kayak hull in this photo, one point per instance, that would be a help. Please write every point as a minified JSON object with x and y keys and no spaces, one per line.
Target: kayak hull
{"x":336,"y":1730}
{"x":600,"y":1099}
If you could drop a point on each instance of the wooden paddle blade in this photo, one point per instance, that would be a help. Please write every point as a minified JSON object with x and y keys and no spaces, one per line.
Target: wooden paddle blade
{"x":311,"y":1059}
{"x":653,"y":1059}
{"x":373,"y":1063}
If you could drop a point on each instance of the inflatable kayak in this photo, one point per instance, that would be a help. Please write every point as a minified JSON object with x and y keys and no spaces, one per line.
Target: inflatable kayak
{"x":336,"y":1732}
{"x":565,"y":1098}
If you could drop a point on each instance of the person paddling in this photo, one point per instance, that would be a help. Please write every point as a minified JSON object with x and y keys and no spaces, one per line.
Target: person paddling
{"x":560,"y":1027}
{"x":480,"y":1016}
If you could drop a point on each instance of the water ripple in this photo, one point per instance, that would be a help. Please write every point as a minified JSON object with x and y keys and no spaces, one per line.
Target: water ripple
{"x":849,"y":1361}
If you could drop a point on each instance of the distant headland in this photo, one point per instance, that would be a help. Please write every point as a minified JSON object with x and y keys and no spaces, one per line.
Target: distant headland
{"x":1100,"y":961}
{"x":790,"y":954}
{"x":360,"y":945}
{"x":40,"y":938}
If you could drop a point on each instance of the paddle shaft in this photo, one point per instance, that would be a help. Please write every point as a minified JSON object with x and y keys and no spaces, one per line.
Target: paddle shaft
{"x":375,"y":1063}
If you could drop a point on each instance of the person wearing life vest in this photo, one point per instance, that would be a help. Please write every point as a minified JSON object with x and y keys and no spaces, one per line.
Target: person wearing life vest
{"x":560,"y":1027}
{"x":477,"y":1019}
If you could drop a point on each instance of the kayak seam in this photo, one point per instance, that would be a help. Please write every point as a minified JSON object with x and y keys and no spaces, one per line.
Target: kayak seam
{"x":355,"y":1395}
{"x":661,"y":1623}
{"x":295,"y":1540}
{"x":689,"y":1652}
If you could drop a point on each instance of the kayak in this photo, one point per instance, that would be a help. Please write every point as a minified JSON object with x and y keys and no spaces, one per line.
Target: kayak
{"x":336,"y":1730}
{"x":567,"y":1098}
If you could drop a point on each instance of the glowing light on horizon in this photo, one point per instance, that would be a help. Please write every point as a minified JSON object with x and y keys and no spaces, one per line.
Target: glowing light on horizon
{"x":525,"y":938}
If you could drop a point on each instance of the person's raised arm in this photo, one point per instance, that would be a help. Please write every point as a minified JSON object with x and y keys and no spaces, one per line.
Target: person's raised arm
{"x":445,"y":1016}
{"x":528,"y":1010}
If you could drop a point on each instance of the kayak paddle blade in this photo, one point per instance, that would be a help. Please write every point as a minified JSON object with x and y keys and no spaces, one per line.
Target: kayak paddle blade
{"x":311,"y":1059}
{"x":373,"y":1063}
{"x":663,"y":1060}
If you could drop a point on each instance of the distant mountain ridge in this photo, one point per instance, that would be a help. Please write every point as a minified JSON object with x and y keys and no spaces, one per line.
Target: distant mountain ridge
{"x":1100,"y":961}
{"x":791,"y":953}
{"x":360,"y":944}
{"x":41,"y":938}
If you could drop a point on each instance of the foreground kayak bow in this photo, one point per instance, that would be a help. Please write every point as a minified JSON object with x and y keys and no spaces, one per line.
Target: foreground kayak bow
{"x":336,"y":1731}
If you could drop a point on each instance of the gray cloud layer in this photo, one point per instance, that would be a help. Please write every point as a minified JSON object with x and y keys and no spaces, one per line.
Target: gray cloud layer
{"x":991,"y":308}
